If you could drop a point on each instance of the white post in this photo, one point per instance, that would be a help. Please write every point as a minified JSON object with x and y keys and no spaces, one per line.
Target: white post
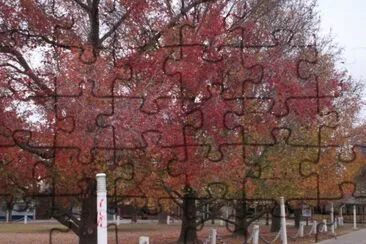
{"x":26,"y":217}
{"x":283,"y":221}
{"x":213,"y":236}
{"x":7,"y":215}
{"x":301,"y":229}
{"x":336,"y":224}
{"x":168,"y":219}
{"x":144,"y":240}
{"x":332,"y":219}
{"x":314,"y":228}
{"x":118,"y":219}
{"x":101,"y":208}
{"x":255,"y":234}
{"x":341,"y":211}
{"x":340,"y":218}
{"x":354,"y":217}
{"x":325,"y":228}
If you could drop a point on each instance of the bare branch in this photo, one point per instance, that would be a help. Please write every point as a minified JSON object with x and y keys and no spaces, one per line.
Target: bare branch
{"x":82,"y":5}
{"x":171,"y":24}
{"x":170,"y":9}
{"x":114,"y":27}
{"x":27,"y":69}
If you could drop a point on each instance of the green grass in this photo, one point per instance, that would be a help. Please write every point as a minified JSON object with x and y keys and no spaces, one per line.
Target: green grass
{"x":21,"y":228}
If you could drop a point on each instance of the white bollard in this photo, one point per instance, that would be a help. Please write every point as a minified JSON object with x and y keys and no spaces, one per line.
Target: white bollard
{"x":213,"y":236}
{"x":144,"y":240}
{"x":354,"y":217}
{"x":341,"y":211}
{"x":340,"y":218}
{"x":314,"y":229}
{"x":332,"y":228}
{"x":255,"y":234}
{"x":283,"y":221}
{"x":325,"y":228}
{"x":7,"y":215}
{"x":301,"y":229}
{"x":26,"y":217}
{"x":168,"y":219}
{"x":118,"y":220}
{"x":101,"y":208}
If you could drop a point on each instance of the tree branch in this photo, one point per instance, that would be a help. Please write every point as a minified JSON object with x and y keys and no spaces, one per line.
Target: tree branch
{"x":69,"y":221}
{"x":114,"y":27}
{"x":171,"y":24}
{"x":27,"y":69}
{"x":93,"y":37}
{"x":82,"y":5}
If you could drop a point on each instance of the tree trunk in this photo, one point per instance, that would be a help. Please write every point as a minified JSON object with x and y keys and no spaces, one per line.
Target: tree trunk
{"x":297,"y":213}
{"x":276,"y":219}
{"x":88,"y":218}
{"x":162,"y":217}
{"x":9,"y":209}
{"x":85,"y":227}
{"x":241,"y":217}
{"x":188,"y":233}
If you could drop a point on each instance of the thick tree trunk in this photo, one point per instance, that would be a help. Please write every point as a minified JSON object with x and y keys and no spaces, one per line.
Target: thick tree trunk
{"x":85,"y":227}
{"x":88,"y":218}
{"x":241,"y":219}
{"x":188,"y":233}
{"x":297,"y":213}
{"x":276,"y":219}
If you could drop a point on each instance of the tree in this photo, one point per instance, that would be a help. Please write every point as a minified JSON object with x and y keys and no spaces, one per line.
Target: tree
{"x":167,"y":97}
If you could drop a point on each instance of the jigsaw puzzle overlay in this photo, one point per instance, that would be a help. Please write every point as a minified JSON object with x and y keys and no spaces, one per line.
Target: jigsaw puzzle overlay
{"x":212,"y":118}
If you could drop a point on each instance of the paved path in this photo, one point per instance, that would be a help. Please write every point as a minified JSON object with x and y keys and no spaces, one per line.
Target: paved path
{"x":357,"y":237}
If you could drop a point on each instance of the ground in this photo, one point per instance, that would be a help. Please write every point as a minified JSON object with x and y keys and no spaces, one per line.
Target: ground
{"x":39,"y":233}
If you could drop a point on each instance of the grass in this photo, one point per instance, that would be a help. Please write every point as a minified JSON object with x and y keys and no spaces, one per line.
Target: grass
{"x":30,"y":228}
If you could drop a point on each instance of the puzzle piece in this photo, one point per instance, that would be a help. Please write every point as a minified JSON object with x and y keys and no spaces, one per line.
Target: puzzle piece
{"x":147,"y":82}
{"x":77,"y":122}
{"x":306,"y":121}
{"x":136,"y":167}
{"x":121,"y":118}
{"x":205,"y":125}
{"x":332,"y":169}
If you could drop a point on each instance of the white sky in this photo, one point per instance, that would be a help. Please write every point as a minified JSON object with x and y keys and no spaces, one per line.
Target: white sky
{"x":346,"y":19}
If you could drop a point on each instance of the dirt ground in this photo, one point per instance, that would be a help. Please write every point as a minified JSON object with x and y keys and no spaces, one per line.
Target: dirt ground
{"x":129,"y":234}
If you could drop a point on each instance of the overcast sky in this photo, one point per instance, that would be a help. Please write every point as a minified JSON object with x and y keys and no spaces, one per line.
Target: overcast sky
{"x":346,"y":20}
